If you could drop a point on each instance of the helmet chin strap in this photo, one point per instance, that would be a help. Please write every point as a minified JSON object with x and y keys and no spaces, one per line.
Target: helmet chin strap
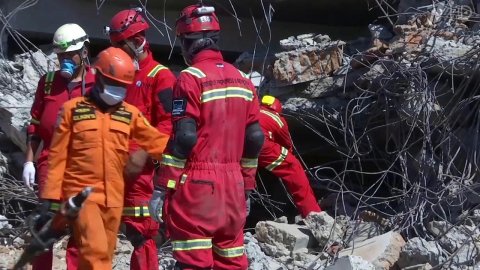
{"x":136,"y":51}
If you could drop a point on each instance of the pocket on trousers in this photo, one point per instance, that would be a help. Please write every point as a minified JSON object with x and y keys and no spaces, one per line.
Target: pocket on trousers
{"x":200,"y":198}
{"x":204,"y":182}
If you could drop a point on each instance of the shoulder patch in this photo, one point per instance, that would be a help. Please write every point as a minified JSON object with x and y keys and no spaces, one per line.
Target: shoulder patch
{"x":81,"y":113}
{"x":121,"y":115}
{"x":179,"y":106}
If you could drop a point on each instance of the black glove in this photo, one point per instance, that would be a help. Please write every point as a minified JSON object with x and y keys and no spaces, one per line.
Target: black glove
{"x":45,"y":211}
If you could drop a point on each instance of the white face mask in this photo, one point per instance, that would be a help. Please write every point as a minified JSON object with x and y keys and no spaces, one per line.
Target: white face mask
{"x":112,"y":95}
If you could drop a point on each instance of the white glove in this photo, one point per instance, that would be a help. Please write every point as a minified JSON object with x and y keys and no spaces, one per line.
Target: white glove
{"x":156,"y":204}
{"x":28,"y":174}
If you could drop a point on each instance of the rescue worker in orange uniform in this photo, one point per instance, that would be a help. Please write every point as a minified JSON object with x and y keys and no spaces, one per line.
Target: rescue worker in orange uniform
{"x":277,"y":157}
{"x":212,"y":156}
{"x":74,"y":79}
{"x":90,"y":148}
{"x":151,"y":92}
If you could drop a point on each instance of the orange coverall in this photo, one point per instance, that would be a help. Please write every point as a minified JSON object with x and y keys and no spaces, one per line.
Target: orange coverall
{"x":90,"y":148}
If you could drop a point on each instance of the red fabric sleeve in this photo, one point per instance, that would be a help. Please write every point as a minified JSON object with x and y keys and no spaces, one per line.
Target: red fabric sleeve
{"x":37,"y":107}
{"x":186,"y":103}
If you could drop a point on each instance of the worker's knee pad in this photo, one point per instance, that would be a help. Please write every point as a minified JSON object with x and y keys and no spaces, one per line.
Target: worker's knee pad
{"x":134,"y":236}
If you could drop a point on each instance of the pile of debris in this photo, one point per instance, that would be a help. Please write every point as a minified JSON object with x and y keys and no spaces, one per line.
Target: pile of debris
{"x":391,"y":129}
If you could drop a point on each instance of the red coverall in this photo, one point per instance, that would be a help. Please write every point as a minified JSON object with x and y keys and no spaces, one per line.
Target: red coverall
{"x":52,"y":92}
{"x":276,"y":156}
{"x":151,"y":93}
{"x":205,"y":207}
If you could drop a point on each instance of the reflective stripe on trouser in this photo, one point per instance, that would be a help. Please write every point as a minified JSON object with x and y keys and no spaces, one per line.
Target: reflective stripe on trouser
{"x":136,"y":211}
{"x":95,"y":232}
{"x":213,"y":201}
{"x":145,"y":256}
{"x":291,"y":173}
{"x":137,"y":220}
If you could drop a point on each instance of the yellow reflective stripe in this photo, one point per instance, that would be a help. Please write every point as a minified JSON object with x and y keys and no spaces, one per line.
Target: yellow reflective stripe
{"x":55,"y":206}
{"x":195,"y":72}
{"x":275,"y":117}
{"x":279,"y":160}
{"x":243,"y":74}
{"x":229,"y":252}
{"x":170,"y":160}
{"x":136,"y":211}
{"x":228,"y":92}
{"x":155,"y":70}
{"x":171,"y":183}
{"x":48,"y":82}
{"x":193,"y":244}
{"x":249,"y":162}
{"x":34,"y":121}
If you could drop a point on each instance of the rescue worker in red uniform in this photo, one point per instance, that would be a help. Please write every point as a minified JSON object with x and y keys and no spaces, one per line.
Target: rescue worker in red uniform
{"x":74,"y":79}
{"x":212,"y":155}
{"x":277,"y":157}
{"x":90,"y":149}
{"x":151,"y":92}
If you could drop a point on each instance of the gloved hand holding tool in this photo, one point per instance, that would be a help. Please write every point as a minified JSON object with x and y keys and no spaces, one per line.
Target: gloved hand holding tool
{"x":47,"y":228}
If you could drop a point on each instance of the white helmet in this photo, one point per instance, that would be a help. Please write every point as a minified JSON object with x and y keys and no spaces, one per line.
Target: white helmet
{"x":69,"y":37}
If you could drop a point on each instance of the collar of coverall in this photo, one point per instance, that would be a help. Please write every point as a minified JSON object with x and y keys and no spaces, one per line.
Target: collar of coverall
{"x":207,"y":55}
{"x":89,"y":78}
{"x":142,"y":64}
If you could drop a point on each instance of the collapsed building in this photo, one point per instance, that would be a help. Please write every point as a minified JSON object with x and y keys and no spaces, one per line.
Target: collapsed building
{"x":387,"y":127}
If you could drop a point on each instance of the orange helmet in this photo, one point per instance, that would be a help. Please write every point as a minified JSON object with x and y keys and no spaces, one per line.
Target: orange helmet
{"x":272,"y":103}
{"x":116,"y":65}
{"x":126,"y":24}
{"x":196,"y":19}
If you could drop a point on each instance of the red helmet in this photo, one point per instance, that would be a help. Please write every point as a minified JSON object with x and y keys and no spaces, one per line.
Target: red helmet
{"x":197,"y":18}
{"x":126,"y":24}
{"x":272,"y":103}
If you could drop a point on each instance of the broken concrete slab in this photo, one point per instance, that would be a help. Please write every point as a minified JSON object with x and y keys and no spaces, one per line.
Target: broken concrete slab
{"x":351,"y":263}
{"x":359,"y":231}
{"x":418,"y":251}
{"x":257,"y":260}
{"x":286,"y":237}
{"x":382,"y":251}
{"x":450,"y":237}
{"x":325,"y":228}
{"x":307,"y":64}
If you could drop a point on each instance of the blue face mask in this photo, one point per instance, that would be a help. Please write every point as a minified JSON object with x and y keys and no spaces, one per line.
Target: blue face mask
{"x":67,"y":68}
{"x":112,"y":95}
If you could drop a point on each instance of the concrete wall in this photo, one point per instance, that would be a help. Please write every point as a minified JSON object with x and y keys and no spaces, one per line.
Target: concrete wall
{"x":46,"y":16}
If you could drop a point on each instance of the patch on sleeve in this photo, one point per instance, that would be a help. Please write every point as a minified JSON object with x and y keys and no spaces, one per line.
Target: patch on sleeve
{"x":179,"y":106}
